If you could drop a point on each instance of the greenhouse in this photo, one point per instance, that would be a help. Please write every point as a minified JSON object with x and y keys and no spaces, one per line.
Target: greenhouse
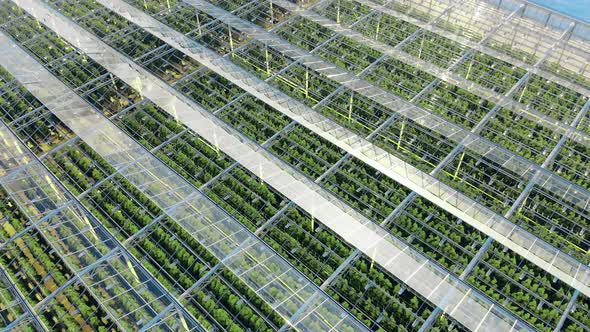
{"x":293,"y":165}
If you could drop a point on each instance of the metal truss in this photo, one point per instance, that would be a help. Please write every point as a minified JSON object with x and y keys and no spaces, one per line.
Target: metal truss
{"x":296,"y":314}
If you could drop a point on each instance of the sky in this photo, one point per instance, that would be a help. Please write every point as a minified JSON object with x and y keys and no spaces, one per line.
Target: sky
{"x":579,"y":9}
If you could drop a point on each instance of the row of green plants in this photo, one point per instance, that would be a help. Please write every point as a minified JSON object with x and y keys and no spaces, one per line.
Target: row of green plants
{"x":579,"y":317}
{"x":573,"y":163}
{"x":246,"y":197}
{"x":456,"y":104}
{"x":354,"y":110}
{"x":40,"y":133}
{"x":427,"y":228}
{"x":10,"y":306}
{"x":560,"y":224}
{"x":307,"y":244}
{"x":254,"y":118}
{"x":584,"y":123}
{"x":342,"y":11}
{"x":341,"y":51}
{"x":307,"y":152}
{"x":439,"y":234}
{"x":492,"y":73}
{"x":542,"y":214}
{"x":403,"y":80}
{"x":208,"y":89}
{"x":551,"y":98}
{"x":264,"y":13}
{"x":552,"y":65}
{"x":63,"y":60}
{"x":312,"y":39}
{"x":414,"y":144}
{"x":385,"y":28}
{"x":482,"y":180}
{"x":230,"y":5}
{"x":130,"y":39}
{"x":192,"y":157}
{"x":522,"y":136}
{"x":191,"y":27}
{"x":190,"y":21}
{"x":295,"y":80}
{"x":367,"y":291}
{"x":353,"y":57}
{"x":521,"y":287}
{"x":37,"y":273}
{"x":435,"y":49}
